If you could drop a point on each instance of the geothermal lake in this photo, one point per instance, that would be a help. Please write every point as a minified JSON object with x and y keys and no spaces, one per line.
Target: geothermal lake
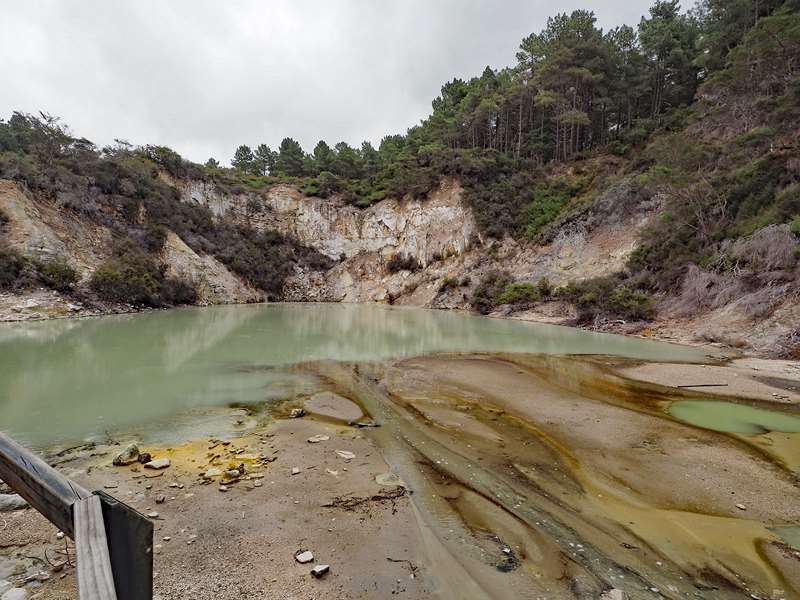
{"x":65,"y":381}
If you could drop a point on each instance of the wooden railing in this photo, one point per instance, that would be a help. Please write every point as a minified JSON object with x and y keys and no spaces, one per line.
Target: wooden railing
{"x":113,"y":542}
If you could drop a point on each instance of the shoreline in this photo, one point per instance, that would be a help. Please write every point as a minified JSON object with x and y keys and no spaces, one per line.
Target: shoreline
{"x":15,"y":308}
{"x":354,"y":513}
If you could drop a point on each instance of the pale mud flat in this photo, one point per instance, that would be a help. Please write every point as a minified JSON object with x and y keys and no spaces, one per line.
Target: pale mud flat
{"x":528,"y":477}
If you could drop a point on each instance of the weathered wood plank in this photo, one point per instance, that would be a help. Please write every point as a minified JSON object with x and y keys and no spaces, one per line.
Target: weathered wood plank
{"x":95,"y":579}
{"x":130,"y":542}
{"x":45,"y":489}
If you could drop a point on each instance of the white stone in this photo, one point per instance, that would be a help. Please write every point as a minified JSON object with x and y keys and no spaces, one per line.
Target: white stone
{"x":159,"y":463}
{"x":9,"y":502}
{"x":128,"y":456}
{"x":345,"y":454}
{"x":318,"y":438}
{"x":304,"y":557}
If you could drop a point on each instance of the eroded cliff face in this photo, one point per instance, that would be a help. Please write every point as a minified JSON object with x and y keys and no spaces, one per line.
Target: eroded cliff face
{"x":437,"y":226}
{"x":438,"y":232}
{"x":430,"y":231}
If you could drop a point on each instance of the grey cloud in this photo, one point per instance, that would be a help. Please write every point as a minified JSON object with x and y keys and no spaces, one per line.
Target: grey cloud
{"x":203,"y":77}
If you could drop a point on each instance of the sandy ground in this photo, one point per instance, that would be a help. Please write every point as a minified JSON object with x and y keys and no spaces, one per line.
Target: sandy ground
{"x":241,"y":543}
{"x":758,"y":379}
{"x":532,"y":477}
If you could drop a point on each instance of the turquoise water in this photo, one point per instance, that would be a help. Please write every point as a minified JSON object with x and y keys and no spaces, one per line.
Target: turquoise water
{"x":69,"y":380}
{"x":731,"y":417}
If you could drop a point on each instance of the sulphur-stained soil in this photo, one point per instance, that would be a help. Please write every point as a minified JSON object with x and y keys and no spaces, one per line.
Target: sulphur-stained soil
{"x":241,"y":543}
{"x":489,"y":477}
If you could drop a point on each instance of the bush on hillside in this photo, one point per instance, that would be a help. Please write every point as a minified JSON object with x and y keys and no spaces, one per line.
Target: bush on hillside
{"x":57,"y":274}
{"x":607,"y":297}
{"x":490,"y":287}
{"x":132,"y":277}
{"x":12,"y":268}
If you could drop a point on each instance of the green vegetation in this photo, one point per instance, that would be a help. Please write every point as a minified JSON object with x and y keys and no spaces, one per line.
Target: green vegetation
{"x":120,"y":187}
{"x":607,"y":297}
{"x":489,"y":289}
{"x":519,"y":293}
{"x":12,"y":268}
{"x":57,"y":274}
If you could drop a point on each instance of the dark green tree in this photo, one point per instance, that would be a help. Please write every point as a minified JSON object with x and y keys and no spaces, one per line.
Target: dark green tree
{"x":243,"y":159}
{"x":291,"y":159}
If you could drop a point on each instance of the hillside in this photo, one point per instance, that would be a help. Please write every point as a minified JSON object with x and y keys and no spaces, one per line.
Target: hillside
{"x":640,"y":180}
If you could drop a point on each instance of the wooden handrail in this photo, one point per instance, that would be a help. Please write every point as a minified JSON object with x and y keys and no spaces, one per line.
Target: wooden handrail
{"x":114,"y":542}
{"x":95,"y":579}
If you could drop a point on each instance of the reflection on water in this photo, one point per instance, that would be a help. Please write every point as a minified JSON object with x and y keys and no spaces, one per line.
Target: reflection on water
{"x":66,"y":380}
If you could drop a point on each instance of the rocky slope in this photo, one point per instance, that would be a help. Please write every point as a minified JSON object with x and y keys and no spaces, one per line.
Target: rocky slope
{"x":438,"y":233}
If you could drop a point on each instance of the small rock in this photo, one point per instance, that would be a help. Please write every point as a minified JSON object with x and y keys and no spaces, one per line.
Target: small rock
{"x":345,"y":454}
{"x":304,"y":557}
{"x":296,"y":413}
{"x":295,"y":470}
{"x":145,"y":457}
{"x":318,"y":438}
{"x":9,"y":502}
{"x":223,"y":488}
{"x":160,"y":499}
{"x":159,"y":463}
{"x":166,"y":538}
{"x":128,"y":456}
{"x":232,"y":474}
{"x":153,"y":515}
{"x":389,"y":479}
{"x":741,"y":507}
{"x":60,"y":535}
{"x":320,"y":570}
{"x":613,"y":594}
{"x":111,"y":486}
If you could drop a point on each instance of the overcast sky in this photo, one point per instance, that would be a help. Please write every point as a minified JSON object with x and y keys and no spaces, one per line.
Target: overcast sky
{"x":203,"y":77}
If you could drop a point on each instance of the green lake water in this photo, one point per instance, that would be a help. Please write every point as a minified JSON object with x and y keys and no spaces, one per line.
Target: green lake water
{"x":731,"y":417}
{"x":70,"y":380}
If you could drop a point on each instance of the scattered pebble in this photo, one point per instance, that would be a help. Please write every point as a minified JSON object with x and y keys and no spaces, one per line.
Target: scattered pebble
{"x":320,"y":570}
{"x":741,"y":507}
{"x":159,"y":463}
{"x":345,"y":454}
{"x":304,"y":557}
{"x":295,"y":470}
{"x":318,"y":438}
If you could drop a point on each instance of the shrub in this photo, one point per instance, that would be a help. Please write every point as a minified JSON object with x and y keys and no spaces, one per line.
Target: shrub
{"x":133,"y":277}
{"x":448,"y":283}
{"x":519,"y":293}
{"x":402,"y":262}
{"x":57,"y":274}
{"x":794,"y":226}
{"x":607,"y":297}
{"x":630,"y":304}
{"x":12,"y":268}
{"x":490,"y":287}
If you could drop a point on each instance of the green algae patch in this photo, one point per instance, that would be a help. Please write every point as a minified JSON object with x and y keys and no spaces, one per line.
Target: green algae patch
{"x":730,"y":417}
